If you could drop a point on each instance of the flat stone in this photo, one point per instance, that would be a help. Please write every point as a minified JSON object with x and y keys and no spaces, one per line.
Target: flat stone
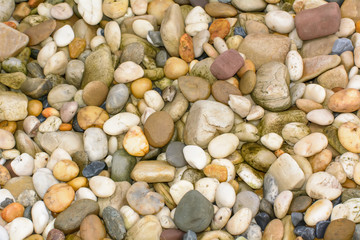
{"x":300,"y":204}
{"x":12,"y":41}
{"x":134,"y":52}
{"x":69,"y":220}
{"x":351,"y":9}
{"x":221,"y":90}
{"x":191,"y":206}
{"x":194,"y":88}
{"x":40,"y":32}
{"x":13,"y":106}
{"x":174,"y":154}
{"x":262,"y":48}
{"x":318,"y":46}
{"x":336,"y":77}
{"x":340,"y":229}
{"x":114,"y":223}
{"x":153,"y":171}
{"x":318,"y":22}
{"x":159,"y":128}
{"x":220,"y":10}
{"x":315,"y":66}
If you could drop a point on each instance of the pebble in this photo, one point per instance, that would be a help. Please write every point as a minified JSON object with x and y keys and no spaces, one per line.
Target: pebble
{"x":239,"y":222}
{"x":192,"y":205}
{"x":207,"y":187}
{"x":348,"y":136}
{"x":229,"y":143}
{"x":318,"y":188}
{"x":102,"y":186}
{"x":61,"y":11}
{"x":280,"y":21}
{"x":225,"y":189}
{"x":90,"y":11}
{"x":318,"y":211}
{"x":195,"y":156}
{"x":158,"y":134}
{"x":135,"y":142}
{"x":59,"y":197}
{"x":148,"y":226}
{"x":342,"y":45}
{"x":92,"y":228}
{"x":282,"y":203}
{"x":128,"y":72}
{"x":40,"y":216}
{"x":340,"y":229}
{"x":20,"y":228}
{"x":274,"y":230}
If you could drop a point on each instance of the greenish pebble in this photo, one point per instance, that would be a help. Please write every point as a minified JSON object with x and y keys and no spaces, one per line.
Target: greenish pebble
{"x":13,"y":80}
{"x":122,"y":165}
{"x":36,"y":87}
{"x":331,"y":133}
{"x":154,"y":74}
{"x":274,"y":122}
{"x":149,"y":63}
{"x":128,"y":38}
{"x":192,"y":175}
{"x":257,"y":156}
{"x":202,"y":69}
{"x":163,"y":83}
{"x":13,"y":65}
{"x":35,"y":70}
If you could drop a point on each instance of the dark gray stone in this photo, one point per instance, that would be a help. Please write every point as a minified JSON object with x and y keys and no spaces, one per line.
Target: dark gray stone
{"x":155,"y":38}
{"x":175,"y":155}
{"x":80,"y":158}
{"x":93,"y":169}
{"x":307,"y":233}
{"x":194,"y":212}
{"x":266,"y":206}
{"x":297,"y":219}
{"x":200,"y":3}
{"x":122,"y":165}
{"x":320,"y":228}
{"x":117,"y":98}
{"x":262,"y":219}
{"x":114,"y":223}
{"x":349,"y":193}
{"x":35,"y":70}
{"x":161,"y":58}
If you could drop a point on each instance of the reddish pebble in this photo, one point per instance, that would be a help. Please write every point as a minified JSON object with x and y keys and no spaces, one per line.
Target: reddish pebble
{"x":186,"y":48}
{"x":55,"y":234}
{"x":172,"y":234}
{"x":219,"y":28}
{"x":227,"y":64}
{"x":318,"y":22}
{"x":48,"y":112}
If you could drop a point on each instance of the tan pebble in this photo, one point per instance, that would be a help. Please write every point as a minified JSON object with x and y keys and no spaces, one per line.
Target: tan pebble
{"x":248,"y":66}
{"x":59,"y":197}
{"x":65,"y":170}
{"x":4,"y":175}
{"x":216,"y":171}
{"x":349,"y":136}
{"x":210,"y":50}
{"x":347,"y":100}
{"x":92,"y":116}
{"x":135,"y":142}
{"x":78,"y":182}
{"x":175,"y":68}
{"x":247,"y":82}
{"x":140,"y":86}
{"x":321,"y":160}
{"x":307,"y":105}
{"x":76,"y":47}
{"x":274,"y":230}
{"x":8,"y":126}
{"x":92,"y":228}
{"x":34,"y":107}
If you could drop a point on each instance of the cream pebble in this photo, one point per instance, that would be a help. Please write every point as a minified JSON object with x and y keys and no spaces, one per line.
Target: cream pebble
{"x":64,"y":35}
{"x":20,"y":228}
{"x":339,"y":211}
{"x":225,"y":195}
{"x":240,"y":105}
{"x":91,"y":11}
{"x":195,"y":156}
{"x":102,"y":186}
{"x":323,"y":185}
{"x":223,"y":145}
{"x":179,"y":189}
{"x":321,"y":117}
{"x":207,"y":187}
{"x":282,"y":203}
{"x":318,"y":211}
{"x":142,"y":27}
{"x":154,"y":100}
{"x":128,"y":72}
{"x":239,"y":222}
{"x":120,"y":123}
{"x":348,"y":161}
{"x":279,"y":21}
{"x":23,"y":165}
{"x":112,"y":35}
{"x":84,"y":193}
{"x":46,"y":53}
{"x":272,"y":141}
{"x":315,"y":92}
{"x":311,"y":144}
{"x":220,"y":219}
{"x":295,"y":65}
{"x":40,"y":216}
{"x":61,"y":11}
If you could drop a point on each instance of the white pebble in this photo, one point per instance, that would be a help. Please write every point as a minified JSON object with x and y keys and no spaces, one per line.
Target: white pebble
{"x":225,"y":195}
{"x":120,"y":123}
{"x":56,"y":64}
{"x":154,"y":100}
{"x":57,"y":155}
{"x":295,"y":65}
{"x":128,"y":72}
{"x":282,"y":203}
{"x":91,"y":11}
{"x":318,"y":211}
{"x":240,"y":105}
{"x":179,"y":189}
{"x":207,"y":187}
{"x":23,"y":165}
{"x":223,"y":145}
{"x":46,"y":53}
{"x":311,"y":144}
{"x":315,"y":92}
{"x":197,"y":15}
{"x":40,"y":216}
{"x":141,"y":27}
{"x":102,"y":186}
{"x":272,"y":141}
{"x":321,"y":117}
{"x":195,"y":156}
{"x":61,"y":11}
{"x":112,"y":35}
{"x":348,"y":161}
{"x":220,"y":219}
{"x":239,"y":222}
{"x":95,"y":143}
{"x":64,"y":35}
{"x":20,"y":228}
{"x":339,"y":211}
{"x":85,"y":193}
{"x":279,"y":21}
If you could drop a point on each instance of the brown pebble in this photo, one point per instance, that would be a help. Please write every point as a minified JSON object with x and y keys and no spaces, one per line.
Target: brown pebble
{"x":349,"y":184}
{"x":12,"y":211}
{"x":194,"y":88}
{"x":21,"y":11}
{"x":340,"y":229}
{"x":220,"y":10}
{"x":307,"y":105}
{"x":159,"y":128}
{"x":321,"y":160}
{"x":92,"y":228}
{"x":95,"y":93}
{"x":8,"y":126}
{"x":247,"y":82}
{"x":274,"y":230}
{"x":55,"y":234}
{"x":222,"y":89}
{"x":172,"y":234}
{"x":40,"y":32}
{"x":300,"y":204}
{"x":4,"y":175}
{"x":76,"y":47}
{"x":92,"y":116}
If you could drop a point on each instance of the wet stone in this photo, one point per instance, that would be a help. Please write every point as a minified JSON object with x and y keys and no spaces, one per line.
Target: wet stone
{"x":297,"y":219}
{"x":320,"y":228}
{"x":262,"y":219}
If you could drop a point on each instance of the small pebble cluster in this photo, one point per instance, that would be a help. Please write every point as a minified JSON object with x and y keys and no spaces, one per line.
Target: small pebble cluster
{"x":179,"y":119}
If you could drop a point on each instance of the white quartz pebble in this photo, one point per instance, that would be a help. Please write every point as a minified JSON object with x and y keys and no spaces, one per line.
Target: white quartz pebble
{"x":225,"y":195}
{"x":102,"y":186}
{"x":64,"y":35}
{"x":23,"y":165}
{"x":195,"y":156}
{"x":40,"y":216}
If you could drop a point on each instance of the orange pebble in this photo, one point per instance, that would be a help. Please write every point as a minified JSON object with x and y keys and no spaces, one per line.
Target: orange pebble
{"x":357,"y":26}
{"x":10,"y":24}
{"x":65,"y":127}
{"x":12,"y":211}
{"x":35,"y":3}
{"x":186,"y":48}
{"x":34,"y":107}
{"x":248,"y":65}
{"x":336,"y":89}
{"x":8,"y":126}
{"x":47,"y":112}
{"x":349,"y":184}
{"x":76,"y":47}
{"x":140,"y":86}
{"x":219,"y":28}
{"x":216,"y":171}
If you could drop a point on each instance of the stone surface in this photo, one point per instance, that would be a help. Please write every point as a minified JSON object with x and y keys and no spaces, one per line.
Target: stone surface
{"x":310,"y":24}
{"x":192,"y":205}
{"x":263,"y":48}
{"x":160,"y":171}
{"x":226,"y":64}
{"x":159,"y":128}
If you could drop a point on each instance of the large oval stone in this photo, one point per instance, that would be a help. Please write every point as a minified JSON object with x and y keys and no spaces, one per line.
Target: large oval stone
{"x":69,"y":220}
{"x":159,"y":128}
{"x":194,"y":212}
{"x":272,"y":87}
